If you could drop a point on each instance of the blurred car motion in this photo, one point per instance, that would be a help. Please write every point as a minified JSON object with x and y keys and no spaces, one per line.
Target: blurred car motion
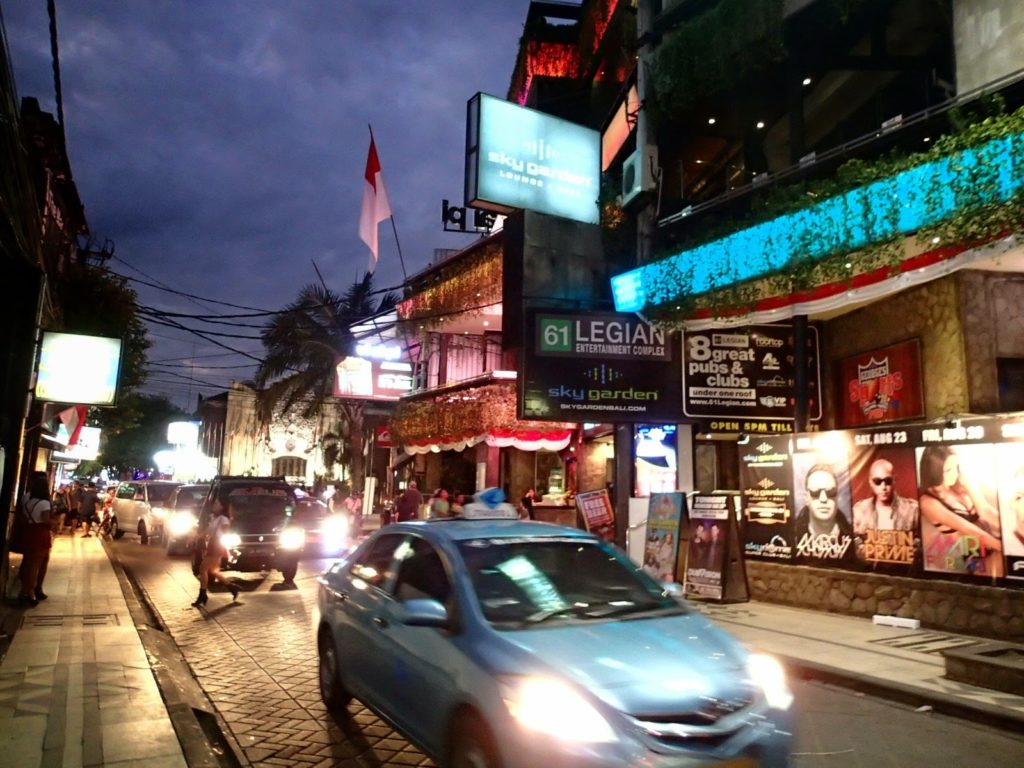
{"x":182,"y":518}
{"x":327,"y":533}
{"x":519,"y":644}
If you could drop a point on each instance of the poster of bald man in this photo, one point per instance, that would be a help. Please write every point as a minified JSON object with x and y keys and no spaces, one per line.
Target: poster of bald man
{"x":885,"y":510}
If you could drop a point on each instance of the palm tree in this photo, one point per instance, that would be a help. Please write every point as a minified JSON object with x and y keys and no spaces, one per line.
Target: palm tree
{"x":303,"y":344}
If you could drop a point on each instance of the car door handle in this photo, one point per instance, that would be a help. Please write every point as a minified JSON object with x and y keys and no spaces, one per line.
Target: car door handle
{"x":337,"y":594}
{"x":380,"y":621}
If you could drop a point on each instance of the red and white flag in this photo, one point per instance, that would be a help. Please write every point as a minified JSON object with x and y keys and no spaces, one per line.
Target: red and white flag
{"x":375,"y":204}
{"x":73,"y":419}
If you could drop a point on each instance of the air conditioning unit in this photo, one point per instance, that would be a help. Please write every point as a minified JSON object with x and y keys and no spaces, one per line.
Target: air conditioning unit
{"x":638,"y":173}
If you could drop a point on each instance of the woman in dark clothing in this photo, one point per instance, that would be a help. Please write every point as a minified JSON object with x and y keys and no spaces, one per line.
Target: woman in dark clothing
{"x":35,"y":507}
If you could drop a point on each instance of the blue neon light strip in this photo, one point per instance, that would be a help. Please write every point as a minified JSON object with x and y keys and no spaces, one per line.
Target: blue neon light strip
{"x":899,"y":205}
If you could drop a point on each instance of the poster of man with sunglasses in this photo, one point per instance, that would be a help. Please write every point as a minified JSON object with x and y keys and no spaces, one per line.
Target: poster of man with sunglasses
{"x":822,"y":528}
{"x":885,"y":521}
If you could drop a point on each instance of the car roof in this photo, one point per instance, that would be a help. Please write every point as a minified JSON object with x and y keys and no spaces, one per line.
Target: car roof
{"x":460,"y":529}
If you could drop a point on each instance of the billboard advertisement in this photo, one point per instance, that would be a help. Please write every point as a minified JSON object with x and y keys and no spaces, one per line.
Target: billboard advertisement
{"x":918,"y":498}
{"x":598,"y":367}
{"x":86,"y":449}
{"x":78,"y":369}
{"x":881,"y":385}
{"x":747,"y":374}
{"x":359,"y":378}
{"x":666,"y":516}
{"x":521,"y":158}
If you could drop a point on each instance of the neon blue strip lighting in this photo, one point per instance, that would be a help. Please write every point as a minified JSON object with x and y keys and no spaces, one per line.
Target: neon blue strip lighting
{"x":898,"y":205}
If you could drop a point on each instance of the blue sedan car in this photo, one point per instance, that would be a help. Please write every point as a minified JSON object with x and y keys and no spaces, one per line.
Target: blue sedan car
{"x":519,"y":644}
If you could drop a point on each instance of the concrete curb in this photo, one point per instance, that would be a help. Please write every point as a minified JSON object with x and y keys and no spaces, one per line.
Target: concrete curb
{"x":978,"y":712}
{"x":205,"y":738}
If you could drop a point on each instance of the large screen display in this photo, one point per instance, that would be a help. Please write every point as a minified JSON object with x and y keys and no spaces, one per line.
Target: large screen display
{"x":78,"y":369}
{"x":520,"y":158}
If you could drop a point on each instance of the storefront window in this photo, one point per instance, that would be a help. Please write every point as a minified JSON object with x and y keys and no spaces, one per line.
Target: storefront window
{"x":655,"y":455}
{"x":549,"y":474}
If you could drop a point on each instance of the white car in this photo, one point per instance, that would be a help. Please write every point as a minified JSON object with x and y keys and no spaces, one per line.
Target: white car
{"x":140,"y":506}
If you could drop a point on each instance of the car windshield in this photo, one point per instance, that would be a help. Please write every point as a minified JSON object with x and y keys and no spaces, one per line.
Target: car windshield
{"x":525,"y":582}
{"x":160,"y":493}
{"x":259,"y":509}
{"x":191,"y":496}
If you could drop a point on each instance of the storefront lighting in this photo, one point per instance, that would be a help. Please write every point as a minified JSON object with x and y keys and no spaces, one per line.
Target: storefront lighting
{"x":760,"y":124}
{"x":807,"y":81}
{"x":895,"y":206}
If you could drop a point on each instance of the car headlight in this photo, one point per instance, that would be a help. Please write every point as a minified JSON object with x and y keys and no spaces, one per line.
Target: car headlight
{"x":552,"y":707}
{"x":334,"y":533}
{"x":181,"y":523}
{"x":770,"y":677}
{"x":230,"y":540}
{"x":159,"y":513}
{"x":292,"y":537}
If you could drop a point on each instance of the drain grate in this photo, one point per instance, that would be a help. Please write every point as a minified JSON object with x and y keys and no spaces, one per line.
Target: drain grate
{"x":75,"y":620}
{"x":927,"y":642}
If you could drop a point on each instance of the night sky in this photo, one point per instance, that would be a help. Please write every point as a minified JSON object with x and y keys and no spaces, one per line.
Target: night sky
{"x":221,"y":145}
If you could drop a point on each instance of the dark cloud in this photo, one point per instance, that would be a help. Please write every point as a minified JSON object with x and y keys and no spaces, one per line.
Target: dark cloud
{"x":221,"y":145}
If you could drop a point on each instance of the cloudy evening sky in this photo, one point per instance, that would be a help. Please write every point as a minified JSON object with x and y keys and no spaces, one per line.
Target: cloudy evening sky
{"x":221,"y":144}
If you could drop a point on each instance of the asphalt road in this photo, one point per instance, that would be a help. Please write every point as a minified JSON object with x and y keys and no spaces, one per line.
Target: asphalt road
{"x":256,"y":661}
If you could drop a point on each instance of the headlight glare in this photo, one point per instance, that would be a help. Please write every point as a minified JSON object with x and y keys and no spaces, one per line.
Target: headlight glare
{"x":334,"y":533}
{"x":230,"y":540}
{"x":292,"y":537}
{"x":181,"y":523}
{"x":552,"y":707}
{"x":159,"y":513}
{"x":770,"y":677}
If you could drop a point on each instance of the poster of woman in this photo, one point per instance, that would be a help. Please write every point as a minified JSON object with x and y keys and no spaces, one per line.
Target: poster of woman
{"x":665,"y":517}
{"x":960,"y":526}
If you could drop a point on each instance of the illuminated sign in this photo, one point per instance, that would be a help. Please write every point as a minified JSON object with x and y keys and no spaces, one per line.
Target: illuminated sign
{"x":378,"y":351}
{"x":357,"y":377}
{"x":86,"y":449}
{"x":183,"y":433}
{"x":520,"y":158}
{"x":78,"y":369}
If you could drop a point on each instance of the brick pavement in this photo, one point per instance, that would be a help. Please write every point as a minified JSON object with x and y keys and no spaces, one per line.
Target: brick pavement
{"x":257,"y":662}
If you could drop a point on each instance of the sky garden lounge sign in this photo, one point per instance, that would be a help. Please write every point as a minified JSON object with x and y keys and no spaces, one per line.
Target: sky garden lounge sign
{"x":520,"y":158}
{"x":599,"y":367}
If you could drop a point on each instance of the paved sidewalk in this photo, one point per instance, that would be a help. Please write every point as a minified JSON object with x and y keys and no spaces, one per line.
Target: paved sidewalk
{"x":905,"y":664}
{"x":76,"y":686}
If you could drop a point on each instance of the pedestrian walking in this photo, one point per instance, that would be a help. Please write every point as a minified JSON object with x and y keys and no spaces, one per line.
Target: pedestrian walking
{"x":439,"y":506}
{"x":74,"y":506}
{"x":37,"y":539}
{"x":214,"y":551}
{"x":60,"y":508}
{"x":408,"y":507}
{"x":90,"y":508}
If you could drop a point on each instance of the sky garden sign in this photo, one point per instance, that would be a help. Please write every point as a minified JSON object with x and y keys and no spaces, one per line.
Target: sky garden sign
{"x":520,"y":158}
{"x":599,"y":367}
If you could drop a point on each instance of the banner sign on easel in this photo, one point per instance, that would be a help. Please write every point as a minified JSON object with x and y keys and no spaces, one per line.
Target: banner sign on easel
{"x":666,"y":516}
{"x":598,"y":514}
{"x":714,"y":563}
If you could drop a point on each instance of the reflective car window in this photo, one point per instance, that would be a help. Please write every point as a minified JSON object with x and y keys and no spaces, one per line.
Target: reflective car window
{"x":421,"y":574}
{"x":126,"y":491}
{"x":374,"y":566}
{"x":525,"y":581}
{"x":190,"y":496}
{"x":159,"y":493}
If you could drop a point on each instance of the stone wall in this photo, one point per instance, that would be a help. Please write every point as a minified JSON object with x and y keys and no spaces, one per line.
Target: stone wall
{"x":992,"y":312}
{"x":942,"y":605}
{"x":931,"y":313}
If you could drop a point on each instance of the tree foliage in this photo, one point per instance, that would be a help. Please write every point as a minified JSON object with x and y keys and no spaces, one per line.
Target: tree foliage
{"x":302,"y":346}
{"x":132,"y":447}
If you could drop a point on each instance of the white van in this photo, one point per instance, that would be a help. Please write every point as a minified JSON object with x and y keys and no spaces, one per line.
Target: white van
{"x":140,"y":507}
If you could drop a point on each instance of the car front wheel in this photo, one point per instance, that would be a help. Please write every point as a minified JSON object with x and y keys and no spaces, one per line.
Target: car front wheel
{"x":335,"y":697}
{"x":473,"y":746}
{"x":289,"y":569}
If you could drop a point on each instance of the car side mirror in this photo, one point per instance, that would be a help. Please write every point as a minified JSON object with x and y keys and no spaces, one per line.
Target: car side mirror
{"x":422,"y":613}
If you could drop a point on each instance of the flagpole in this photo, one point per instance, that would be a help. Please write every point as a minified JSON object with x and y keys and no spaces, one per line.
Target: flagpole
{"x":398,"y":245}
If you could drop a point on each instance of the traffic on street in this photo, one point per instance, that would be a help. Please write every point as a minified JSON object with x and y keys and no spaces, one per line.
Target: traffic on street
{"x":257,"y":660}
